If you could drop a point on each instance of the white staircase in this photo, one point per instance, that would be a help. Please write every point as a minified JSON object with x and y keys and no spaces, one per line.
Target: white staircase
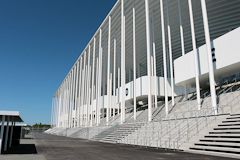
{"x":118,"y":132}
{"x":224,"y":138}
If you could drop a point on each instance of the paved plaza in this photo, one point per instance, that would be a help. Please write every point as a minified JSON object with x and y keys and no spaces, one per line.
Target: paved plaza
{"x":50,"y":147}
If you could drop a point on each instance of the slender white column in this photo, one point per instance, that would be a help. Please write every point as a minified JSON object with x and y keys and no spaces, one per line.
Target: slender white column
{"x":110,"y":90}
{"x":63,"y":105}
{"x":79,"y":92}
{"x":60,"y":110}
{"x":181,"y":27}
{"x":134,"y":66}
{"x":123,"y":67}
{"x":83,"y":91}
{"x":72,"y":97}
{"x":66,"y":105}
{"x":114,"y":76}
{"x":148,"y":60}
{"x":108,"y":68}
{"x":6,"y":135}
{"x":170,"y":56}
{"x":2,"y":131}
{"x":210,"y":58}
{"x":119,"y":90}
{"x":155,"y":75}
{"x":52,"y":113}
{"x":11,"y":134}
{"x":88,"y":86}
{"x":89,"y":97}
{"x":100,"y":76}
{"x":67,"y":99}
{"x":76,"y":95}
{"x":54,"y":110}
{"x":70,"y":101}
{"x":93,"y":78}
{"x":154,"y":69}
{"x":164,"y":58}
{"x":195,"y":54}
{"x":96,"y":92}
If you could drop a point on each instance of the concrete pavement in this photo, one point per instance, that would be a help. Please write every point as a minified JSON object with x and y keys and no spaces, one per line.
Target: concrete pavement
{"x":50,"y":147}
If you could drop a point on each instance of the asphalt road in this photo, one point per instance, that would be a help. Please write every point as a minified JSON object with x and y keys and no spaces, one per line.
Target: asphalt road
{"x":63,"y":148}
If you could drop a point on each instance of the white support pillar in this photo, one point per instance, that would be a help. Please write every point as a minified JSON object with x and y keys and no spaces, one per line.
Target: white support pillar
{"x":60,"y":109}
{"x":170,"y":56}
{"x":164,"y":58}
{"x":88,"y":87}
{"x":181,"y":28}
{"x":65,"y":103}
{"x":114,"y":76}
{"x":72,"y":96}
{"x":100,"y":76}
{"x":123,"y":67}
{"x":1,"y":134}
{"x":96,"y":92}
{"x":68,"y":101}
{"x":79,"y":92}
{"x":108,"y":69}
{"x":11,"y":134}
{"x":6,"y":135}
{"x":155,"y":75}
{"x":134,"y":66}
{"x":148,"y":60}
{"x":118,"y":90}
{"x":83,"y":91}
{"x":110,"y":97}
{"x":210,"y":58}
{"x":76,"y":95}
{"x":89,"y":96}
{"x":93,"y":78}
{"x":195,"y":54}
{"x":154,"y":68}
{"x":51,"y":123}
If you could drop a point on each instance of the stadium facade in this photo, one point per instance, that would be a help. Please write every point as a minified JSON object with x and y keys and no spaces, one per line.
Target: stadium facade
{"x":153,"y":62}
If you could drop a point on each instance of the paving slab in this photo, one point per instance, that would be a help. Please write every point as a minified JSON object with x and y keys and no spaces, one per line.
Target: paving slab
{"x":64,"y":148}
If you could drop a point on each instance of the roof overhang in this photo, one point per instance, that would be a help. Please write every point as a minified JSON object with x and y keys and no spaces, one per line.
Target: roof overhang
{"x":13,"y":116}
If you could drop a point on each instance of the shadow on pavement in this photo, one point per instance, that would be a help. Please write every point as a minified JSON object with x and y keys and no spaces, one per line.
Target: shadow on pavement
{"x":22,"y":149}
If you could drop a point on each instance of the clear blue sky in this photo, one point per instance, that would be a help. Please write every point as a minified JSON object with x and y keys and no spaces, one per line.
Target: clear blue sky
{"x":39,"y":42}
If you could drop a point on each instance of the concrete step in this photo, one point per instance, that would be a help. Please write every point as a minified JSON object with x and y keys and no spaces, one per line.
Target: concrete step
{"x":232,"y":121}
{"x":217,"y":149}
{"x":226,"y":140}
{"x":227,"y":128}
{"x":225,"y":132}
{"x":219,"y":144}
{"x":233,"y":117}
{"x":213,"y":153}
{"x":232,"y":124}
{"x":222,"y":136}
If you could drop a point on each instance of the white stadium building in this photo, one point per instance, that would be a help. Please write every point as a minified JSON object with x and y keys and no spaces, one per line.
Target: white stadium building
{"x":158,"y":73}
